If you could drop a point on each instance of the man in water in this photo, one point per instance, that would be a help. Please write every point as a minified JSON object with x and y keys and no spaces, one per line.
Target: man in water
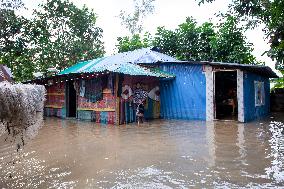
{"x":139,"y":98}
{"x":140,"y":112}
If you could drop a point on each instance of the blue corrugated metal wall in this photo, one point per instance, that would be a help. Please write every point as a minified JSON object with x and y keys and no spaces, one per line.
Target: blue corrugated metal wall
{"x":251,"y":111}
{"x":185,"y":96}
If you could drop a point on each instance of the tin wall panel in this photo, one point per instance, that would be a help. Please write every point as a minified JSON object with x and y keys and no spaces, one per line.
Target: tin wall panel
{"x":251,"y":111}
{"x":185,"y":96}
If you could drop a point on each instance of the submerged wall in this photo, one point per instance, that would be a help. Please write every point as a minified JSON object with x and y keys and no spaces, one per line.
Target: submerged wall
{"x":96,"y":100}
{"x":251,"y":110}
{"x":55,"y":100}
{"x":181,"y":98}
{"x":102,"y":111}
{"x":185,"y":96}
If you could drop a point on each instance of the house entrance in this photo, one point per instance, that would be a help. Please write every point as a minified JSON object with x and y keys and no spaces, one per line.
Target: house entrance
{"x":71,"y":100}
{"x":225,"y":95}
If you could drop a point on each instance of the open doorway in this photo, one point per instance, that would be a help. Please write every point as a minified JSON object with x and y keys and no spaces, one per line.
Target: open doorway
{"x":71,"y":100}
{"x":225,"y":97}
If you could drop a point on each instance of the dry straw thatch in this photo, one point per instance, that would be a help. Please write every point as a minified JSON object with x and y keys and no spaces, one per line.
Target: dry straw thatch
{"x":21,"y":107}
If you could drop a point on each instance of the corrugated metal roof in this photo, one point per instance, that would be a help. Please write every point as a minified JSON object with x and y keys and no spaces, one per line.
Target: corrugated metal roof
{"x":132,"y":63}
{"x":122,"y":62}
{"x":258,"y":69}
{"x":109,"y":64}
{"x":79,"y":66}
{"x":148,"y":56}
{"x":143,"y":55}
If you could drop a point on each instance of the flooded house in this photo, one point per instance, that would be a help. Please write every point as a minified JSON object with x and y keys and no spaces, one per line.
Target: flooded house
{"x":216,"y":91}
{"x":108,"y":90}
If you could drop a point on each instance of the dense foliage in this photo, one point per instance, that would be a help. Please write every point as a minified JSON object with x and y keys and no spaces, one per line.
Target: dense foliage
{"x":270,"y":13}
{"x":58,"y":35}
{"x":11,"y":4}
{"x":134,"y":42}
{"x":225,"y":42}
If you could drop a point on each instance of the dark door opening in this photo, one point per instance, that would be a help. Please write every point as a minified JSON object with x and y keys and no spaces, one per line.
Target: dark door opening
{"x":71,"y":100}
{"x":226,"y":103}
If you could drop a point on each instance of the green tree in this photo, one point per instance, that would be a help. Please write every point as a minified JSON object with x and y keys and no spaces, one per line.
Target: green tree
{"x":134,"y":21}
{"x":192,"y":42}
{"x":134,"y":42}
{"x":63,"y":34}
{"x":181,"y":43}
{"x":207,"y":39}
{"x":225,"y":42}
{"x":14,"y":42}
{"x":268,"y":12}
{"x":230,"y":44}
{"x":11,"y":4}
{"x":58,"y":35}
{"x":167,"y":41}
{"x":187,"y":36}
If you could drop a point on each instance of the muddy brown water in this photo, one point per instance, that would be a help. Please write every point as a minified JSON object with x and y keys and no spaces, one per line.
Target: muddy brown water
{"x":157,"y":154}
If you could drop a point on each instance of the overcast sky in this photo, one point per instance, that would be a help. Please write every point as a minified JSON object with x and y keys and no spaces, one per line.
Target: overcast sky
{"x":168,"y":13}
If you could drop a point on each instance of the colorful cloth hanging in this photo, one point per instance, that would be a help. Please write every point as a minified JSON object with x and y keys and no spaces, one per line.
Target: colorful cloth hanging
{"x":110,"y":84}
{"x":94,"y":90}
{"x":154,"y":94}
{"x":126,"y":92}
{"x":82,"y":88}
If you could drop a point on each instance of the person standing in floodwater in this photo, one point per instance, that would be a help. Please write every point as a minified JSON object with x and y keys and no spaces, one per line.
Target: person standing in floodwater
{"x":139,"y":97}
{"x":140,"y":112}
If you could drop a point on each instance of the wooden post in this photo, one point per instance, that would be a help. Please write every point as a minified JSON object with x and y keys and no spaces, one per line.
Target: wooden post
{"x":117,"y":99}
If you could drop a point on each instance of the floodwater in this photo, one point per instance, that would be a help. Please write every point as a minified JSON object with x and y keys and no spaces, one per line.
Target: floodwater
{"x":157,"y":154}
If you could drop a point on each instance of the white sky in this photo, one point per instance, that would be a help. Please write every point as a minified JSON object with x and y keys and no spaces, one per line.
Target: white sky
{"x":168,"y":13}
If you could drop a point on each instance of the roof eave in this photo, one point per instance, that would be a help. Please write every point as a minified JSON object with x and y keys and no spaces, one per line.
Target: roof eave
{"x":266,"y":71}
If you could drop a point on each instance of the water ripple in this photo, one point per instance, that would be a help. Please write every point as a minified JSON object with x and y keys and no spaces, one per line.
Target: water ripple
{"x":157,"y":154}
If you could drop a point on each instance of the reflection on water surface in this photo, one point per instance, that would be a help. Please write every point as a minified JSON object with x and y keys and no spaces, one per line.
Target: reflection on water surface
{"x":158,"y":154}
